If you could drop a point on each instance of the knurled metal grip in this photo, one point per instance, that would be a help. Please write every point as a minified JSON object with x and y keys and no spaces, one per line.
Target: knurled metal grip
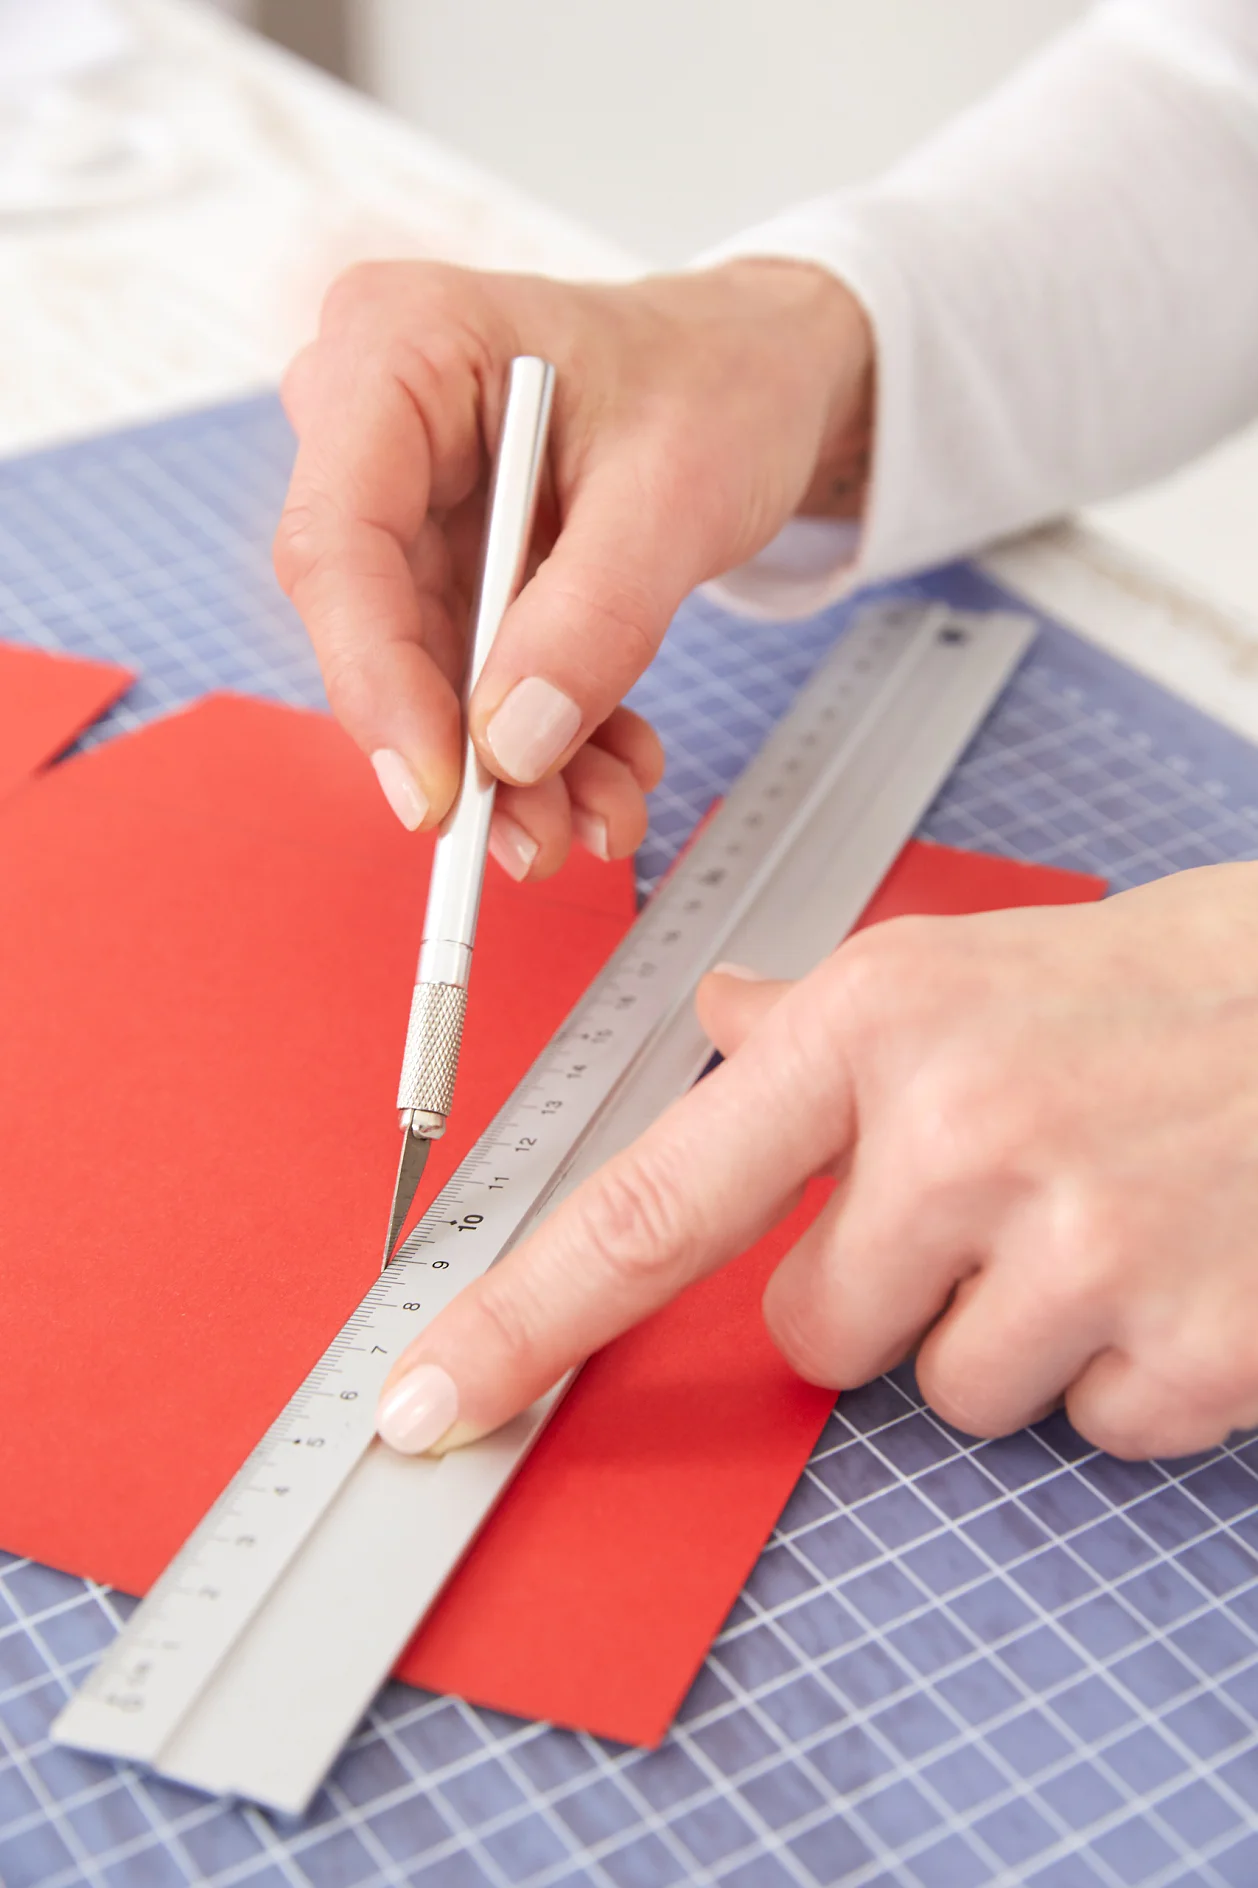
{"x":433,"y":1036}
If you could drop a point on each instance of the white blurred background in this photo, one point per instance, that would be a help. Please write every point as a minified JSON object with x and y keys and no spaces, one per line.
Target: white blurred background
{"x":668,"y":123}
{"x":665,"y":124}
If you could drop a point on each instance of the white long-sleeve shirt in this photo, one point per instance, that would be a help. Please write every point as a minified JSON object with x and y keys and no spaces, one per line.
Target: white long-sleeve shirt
{"x":1063,"y":288}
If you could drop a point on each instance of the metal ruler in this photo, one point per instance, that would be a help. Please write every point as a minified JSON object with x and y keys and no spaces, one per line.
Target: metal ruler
{"x":253,"y":1658}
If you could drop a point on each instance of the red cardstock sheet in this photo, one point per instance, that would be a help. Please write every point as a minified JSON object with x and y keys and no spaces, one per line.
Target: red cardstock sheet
{"x":208,"y":935}
{"x":207,"y":943}
{"x":45,"y":702}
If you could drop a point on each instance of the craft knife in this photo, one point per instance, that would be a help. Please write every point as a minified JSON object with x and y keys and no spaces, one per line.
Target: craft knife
{"x":439,"y":1002}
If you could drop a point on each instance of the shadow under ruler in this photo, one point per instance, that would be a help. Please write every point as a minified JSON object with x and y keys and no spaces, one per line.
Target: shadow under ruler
{"x":956,"y":1664}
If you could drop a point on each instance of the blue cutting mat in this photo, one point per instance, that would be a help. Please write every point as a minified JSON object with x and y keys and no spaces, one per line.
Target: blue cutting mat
{"x":1014,"y":1662}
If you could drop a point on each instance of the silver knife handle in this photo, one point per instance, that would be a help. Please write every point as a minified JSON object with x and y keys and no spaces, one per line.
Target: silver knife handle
{"x":431,"y":1062}
{"x":435,"y":1030}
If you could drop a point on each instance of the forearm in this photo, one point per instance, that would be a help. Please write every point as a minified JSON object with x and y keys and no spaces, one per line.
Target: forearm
{"x":1063,"y":288}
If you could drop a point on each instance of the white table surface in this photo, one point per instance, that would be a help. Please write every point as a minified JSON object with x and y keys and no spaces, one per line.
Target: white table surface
{"x":284,"y":177}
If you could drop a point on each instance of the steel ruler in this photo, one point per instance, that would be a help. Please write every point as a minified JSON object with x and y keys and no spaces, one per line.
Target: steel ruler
{"x":255,"y":1655}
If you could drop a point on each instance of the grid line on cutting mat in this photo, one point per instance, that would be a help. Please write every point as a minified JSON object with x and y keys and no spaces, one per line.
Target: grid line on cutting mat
{"x":956,"y":1664}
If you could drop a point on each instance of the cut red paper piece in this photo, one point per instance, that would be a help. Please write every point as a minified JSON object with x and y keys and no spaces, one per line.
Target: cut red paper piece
{"x":46,"y":701}
{"x":599,"y":1583}
{"x":208,"y":934}
{"x":942,"y":882}
{"x":207,"y":940}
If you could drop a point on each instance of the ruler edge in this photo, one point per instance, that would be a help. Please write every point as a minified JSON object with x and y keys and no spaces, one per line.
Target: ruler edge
{"x":1016,"y":632}
{"x":1002,"y":662}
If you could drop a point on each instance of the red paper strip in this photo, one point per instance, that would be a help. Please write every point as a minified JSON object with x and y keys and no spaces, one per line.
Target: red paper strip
{"x":607,"y":1570}
{"x":45,"y":702}
{"x":942,"y":882}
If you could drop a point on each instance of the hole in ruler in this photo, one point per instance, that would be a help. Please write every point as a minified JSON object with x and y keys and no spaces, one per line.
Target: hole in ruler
{"x":953,"y":634}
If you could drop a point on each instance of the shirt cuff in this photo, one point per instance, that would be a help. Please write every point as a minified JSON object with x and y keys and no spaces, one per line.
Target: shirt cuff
{"x":813,"y":562}
{"x":808,"y":566}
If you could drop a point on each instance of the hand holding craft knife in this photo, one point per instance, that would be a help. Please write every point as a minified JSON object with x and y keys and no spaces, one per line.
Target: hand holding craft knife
{"x":439,"y":1003}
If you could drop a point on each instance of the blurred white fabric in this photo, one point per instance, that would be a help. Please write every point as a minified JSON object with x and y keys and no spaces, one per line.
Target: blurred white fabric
{"x":57,"y":39}
{"x":1063,"y":287}
{"x":112,"y":315}
{"x":76,"y":131}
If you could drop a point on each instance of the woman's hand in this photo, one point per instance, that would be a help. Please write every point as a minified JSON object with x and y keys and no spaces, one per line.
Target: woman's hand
{"x":1044,"y":1125}
{"x":693,"y":415}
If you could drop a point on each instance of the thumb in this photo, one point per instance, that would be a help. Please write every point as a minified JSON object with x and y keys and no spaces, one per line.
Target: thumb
{"x":731,"y":1000}
{"x":587,"y":624}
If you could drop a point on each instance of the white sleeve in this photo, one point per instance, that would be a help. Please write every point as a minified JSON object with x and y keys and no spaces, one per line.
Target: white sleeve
{"x":1063,"y":287}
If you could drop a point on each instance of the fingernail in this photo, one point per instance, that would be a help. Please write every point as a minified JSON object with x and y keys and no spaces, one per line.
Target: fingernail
{"x":513,"y":848}
{"x":591,"y":830}
{"x":400,"y":788}
{"x":737,"y":970}
{"x":532,"y":728}
{"x":416,"y":1412}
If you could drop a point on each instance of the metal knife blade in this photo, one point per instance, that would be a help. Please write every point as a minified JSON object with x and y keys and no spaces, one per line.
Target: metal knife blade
{"x":410,"y":1171}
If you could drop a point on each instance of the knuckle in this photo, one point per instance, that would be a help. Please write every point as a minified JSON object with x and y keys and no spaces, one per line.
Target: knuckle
{"x":347,"y":295}
{"x":295,"y":546}
{"x":813,"y":1062}
{"x":633,"y":1224}
{"x":420,"y":318}
{"x":1092,"y":1240}
{"x":1212,"y":1370}
{"x":511,"y":1325}
{"x":959,"y":1121}
{"x":612,"y":609}
{"x":360,"y":288}
{"x":1151,"y":1404}
{"x":883,"y":971}
{"x":808,"y":1345}
{"x":421,"y":326}
{"x":1122,"y":1432}
{"x":960,"y":1400}
{"x":345,"y":686}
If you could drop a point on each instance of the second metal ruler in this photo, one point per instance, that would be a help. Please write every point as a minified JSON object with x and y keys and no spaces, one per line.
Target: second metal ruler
{"x":254,"y":1656}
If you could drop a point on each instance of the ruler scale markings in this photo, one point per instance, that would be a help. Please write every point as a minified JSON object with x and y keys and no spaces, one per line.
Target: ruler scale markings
{"x":867,"y":745}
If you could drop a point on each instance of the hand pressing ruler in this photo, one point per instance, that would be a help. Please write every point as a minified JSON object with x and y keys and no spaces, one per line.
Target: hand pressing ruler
{"x":255,"y":1655}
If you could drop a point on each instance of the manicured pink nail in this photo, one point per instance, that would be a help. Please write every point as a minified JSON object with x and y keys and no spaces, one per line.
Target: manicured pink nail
{"x":532,"y":728}
{"x":418,"y":1410}
{"x":400,"y":788}
{"x":514,"y":849}
{"x":738,"y":970}
{"x":591,"y":830}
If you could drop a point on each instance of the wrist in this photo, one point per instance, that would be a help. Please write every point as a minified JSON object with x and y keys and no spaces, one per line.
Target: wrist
{"x":830,"y":341}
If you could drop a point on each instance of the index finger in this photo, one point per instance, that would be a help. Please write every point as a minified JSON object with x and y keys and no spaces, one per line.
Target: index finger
{"x":704,"y":1182}
{"x":365,"y":569}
